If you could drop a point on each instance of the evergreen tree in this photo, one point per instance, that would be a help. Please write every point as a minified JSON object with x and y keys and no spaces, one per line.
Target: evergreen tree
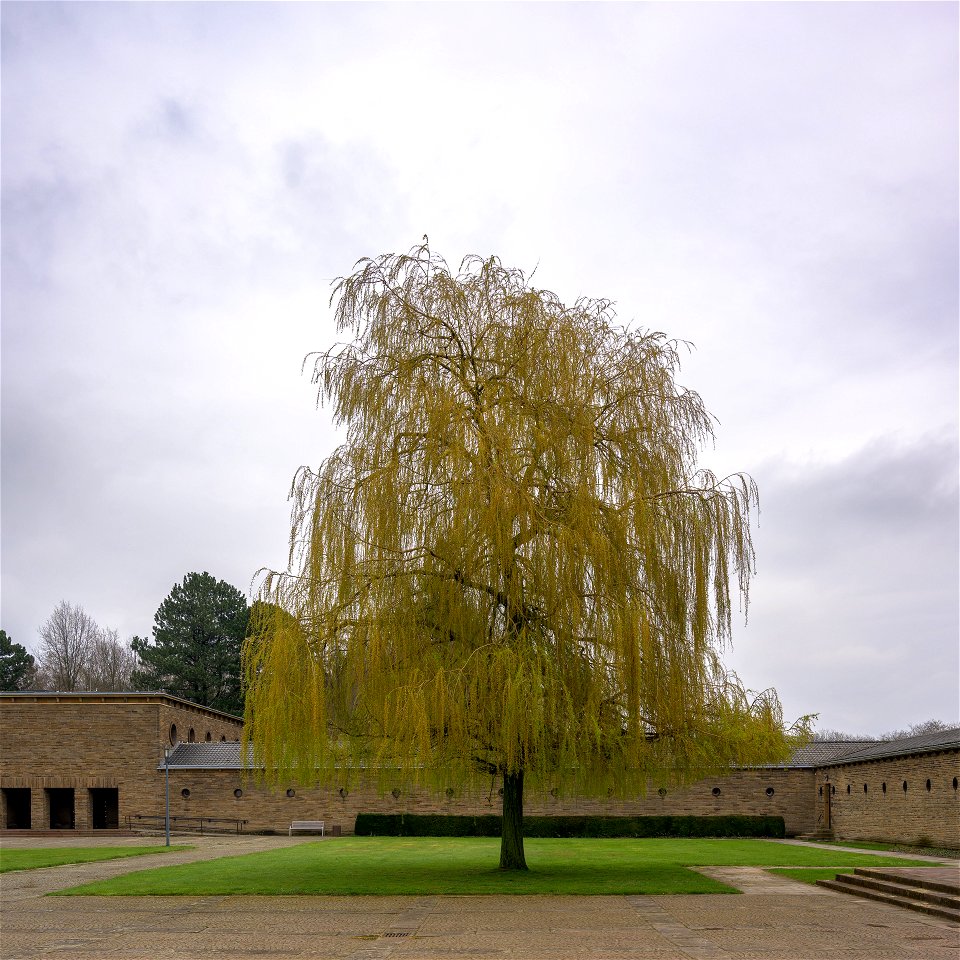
{"x":17,"y":667}
{"x":197,"y":635}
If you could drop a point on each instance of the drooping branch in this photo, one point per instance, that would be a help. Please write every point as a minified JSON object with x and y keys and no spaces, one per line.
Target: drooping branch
{"x":514,"y":556}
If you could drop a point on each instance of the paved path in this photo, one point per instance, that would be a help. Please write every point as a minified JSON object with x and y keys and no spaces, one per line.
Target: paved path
{"x":755,"y":880}
{"x":871,"y":853}
{"x":776,"y":920}
{"x":24,"y":884}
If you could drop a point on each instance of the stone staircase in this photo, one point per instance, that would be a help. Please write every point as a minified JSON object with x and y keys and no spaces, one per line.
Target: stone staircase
{"x":931,"y":890}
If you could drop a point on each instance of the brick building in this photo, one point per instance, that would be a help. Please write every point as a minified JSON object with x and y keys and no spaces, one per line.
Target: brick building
{"x":96,"y":761}
{"x":88,"y":761}
{"x":898,"y":790}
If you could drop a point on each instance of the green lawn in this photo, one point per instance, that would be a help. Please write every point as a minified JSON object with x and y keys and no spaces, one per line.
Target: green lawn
{"x":29,"y":859}
{"x":468,"y":865}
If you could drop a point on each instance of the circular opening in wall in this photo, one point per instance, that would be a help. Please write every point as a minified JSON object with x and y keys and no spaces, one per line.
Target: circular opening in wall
{"x":954,"y":783}
{"x":208,"y":737}
{"x":769,"y":791}
{"x":395,"y":793}
{"x":500,"y":792}
{"x":185,"y":793}
{"x":555,"y":792}
{"x":928,"y":785}
{"x":864,"y":788}
{"x":291,"y":792}
{"x":191,"y":736}
{"x":883,"y":787}
{"x":450,"y":792}
{"x":662,"y":791}
{"x":343,"y":792}
{"x":904,"y":786}
{"x":238,"y":793}
{"x":848,"y":788}
{"x":716,"y":791}
{"x":173,"y":734}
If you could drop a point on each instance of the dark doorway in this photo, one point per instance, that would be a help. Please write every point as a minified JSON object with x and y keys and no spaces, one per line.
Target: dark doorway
{"x":62,"y":814}
{"x":105,"y":808}
{"x":16,"y":806}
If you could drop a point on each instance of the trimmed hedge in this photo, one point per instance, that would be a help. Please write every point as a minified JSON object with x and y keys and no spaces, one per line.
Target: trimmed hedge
{"x":437,"y":825}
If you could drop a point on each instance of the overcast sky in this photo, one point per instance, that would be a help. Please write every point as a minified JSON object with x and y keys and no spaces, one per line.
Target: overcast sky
{"x":776,"y":183}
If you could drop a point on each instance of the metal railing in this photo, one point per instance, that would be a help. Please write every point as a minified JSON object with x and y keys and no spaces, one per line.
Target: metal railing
{"x":196,"y":824}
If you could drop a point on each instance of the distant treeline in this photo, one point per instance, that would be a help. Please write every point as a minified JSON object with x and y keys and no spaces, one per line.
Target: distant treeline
{"x":927,"y":726}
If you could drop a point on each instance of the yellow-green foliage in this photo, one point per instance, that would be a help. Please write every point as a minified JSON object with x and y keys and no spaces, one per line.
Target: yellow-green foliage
{"x":513,"y":562}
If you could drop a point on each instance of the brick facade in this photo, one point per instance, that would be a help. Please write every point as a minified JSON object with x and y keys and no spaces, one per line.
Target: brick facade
{"x":907,"y":799}
{"x":91,"y":742}
{"x":212,"y":794}
{"x":80,"y":755}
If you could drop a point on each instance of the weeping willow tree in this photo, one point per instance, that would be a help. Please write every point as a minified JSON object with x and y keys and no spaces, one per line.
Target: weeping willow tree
{"x":512,"y":569}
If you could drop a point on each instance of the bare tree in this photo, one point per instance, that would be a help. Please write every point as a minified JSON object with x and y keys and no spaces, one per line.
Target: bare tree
{"x":914,"y":730}
{"x":77,"y":654}
{"x":65,"y":640}
{"x":829,"y":735}
{"x":917,"y":729}
{"x":109,"y":662}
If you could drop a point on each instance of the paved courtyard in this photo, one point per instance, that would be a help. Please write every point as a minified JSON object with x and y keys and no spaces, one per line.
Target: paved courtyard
{"x":775,"y":919}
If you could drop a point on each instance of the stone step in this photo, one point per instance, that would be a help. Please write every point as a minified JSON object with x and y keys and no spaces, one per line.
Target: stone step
{"x":897,"y":889}
{"x":922,"y":882}
{"x":843,"y":885}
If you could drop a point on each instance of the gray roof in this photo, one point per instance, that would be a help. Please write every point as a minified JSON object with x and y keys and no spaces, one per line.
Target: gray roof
{"x":925,"y":743}
{"x":817,"y":753}
{"x":820,"y":753}
{"x":205,"y":756}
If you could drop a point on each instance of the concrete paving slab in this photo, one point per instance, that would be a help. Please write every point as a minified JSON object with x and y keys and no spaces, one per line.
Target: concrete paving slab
{"x":753,"y":880}
{"x":761,"y":926}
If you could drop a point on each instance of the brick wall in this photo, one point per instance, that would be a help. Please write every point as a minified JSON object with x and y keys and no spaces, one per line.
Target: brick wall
{"x":119,"y":744}
{"x":895,"y":814}
{"x":83,"y":743}
{"x":212,"y":794}
{"x":206,"y":725}
{"x":89,"y":742}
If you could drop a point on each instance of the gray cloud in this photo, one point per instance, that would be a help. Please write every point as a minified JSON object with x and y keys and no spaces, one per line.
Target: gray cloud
{"x":775,"y":182}
{"x":856,"y":597}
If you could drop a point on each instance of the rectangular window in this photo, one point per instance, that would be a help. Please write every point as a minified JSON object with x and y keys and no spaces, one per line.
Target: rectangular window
{"x":16,"y":808}
{"x":62,"y":812}
{"x":105,"y":808}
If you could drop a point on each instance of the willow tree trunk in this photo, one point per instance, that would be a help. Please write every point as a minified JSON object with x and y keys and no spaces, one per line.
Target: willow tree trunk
{"x":511,"y":837}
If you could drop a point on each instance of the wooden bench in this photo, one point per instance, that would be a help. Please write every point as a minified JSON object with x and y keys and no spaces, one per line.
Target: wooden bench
{"x":312,"y":825}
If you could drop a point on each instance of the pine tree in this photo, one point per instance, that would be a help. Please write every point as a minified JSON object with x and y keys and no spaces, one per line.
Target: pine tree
{"x":17,"y":667}
{"x":197,"y":635}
